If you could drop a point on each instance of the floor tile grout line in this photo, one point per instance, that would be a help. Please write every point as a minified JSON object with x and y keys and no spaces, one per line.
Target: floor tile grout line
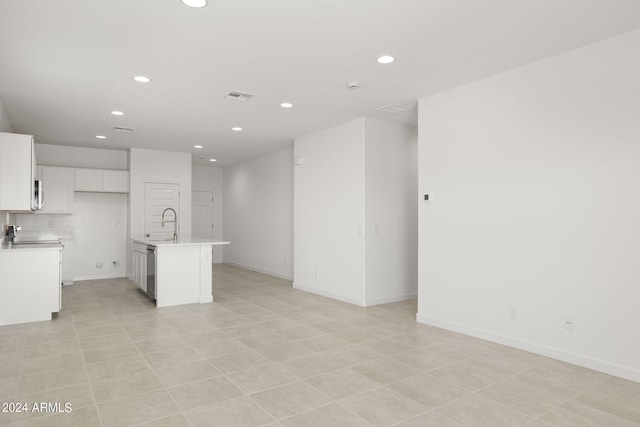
{"x":84,"y":363}
{"x":228,"y":379}
{"x":158,"y":379}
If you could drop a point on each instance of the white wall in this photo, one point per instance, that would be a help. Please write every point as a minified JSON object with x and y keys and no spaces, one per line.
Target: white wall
{"x":208,"y":178}
{"x":80,"y":157}
{"x":391,"y":211}
{"x":329,"y":193}
{"x":534,"y":180}
{"x":107,"y":242}
{"x":5,"y":124}
{"x":96,"y":232}
{"x":164,"y":167}
{"x":258,"y":209}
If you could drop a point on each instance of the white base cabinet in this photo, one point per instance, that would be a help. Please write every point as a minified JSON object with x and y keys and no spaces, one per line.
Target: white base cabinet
{"x":183,"y":270}
{"x":139,"y":265}
{"x":29,"y":285}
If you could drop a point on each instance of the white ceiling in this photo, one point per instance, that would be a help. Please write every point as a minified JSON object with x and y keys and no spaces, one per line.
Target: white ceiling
{"x":66,"y":64}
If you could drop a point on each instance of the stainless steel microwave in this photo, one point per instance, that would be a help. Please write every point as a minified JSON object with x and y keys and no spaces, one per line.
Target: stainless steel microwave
{"x":38,"y":195}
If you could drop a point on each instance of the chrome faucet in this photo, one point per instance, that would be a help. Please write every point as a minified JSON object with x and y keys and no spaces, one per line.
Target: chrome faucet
{"x":175,"y":223}
{"x":12,"y":232}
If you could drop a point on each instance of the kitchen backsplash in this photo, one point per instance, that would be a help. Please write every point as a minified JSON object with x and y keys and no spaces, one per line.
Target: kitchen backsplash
{"x":45,"y":226}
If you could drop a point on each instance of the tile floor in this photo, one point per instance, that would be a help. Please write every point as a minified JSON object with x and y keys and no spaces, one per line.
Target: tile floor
{"x":265,"y":354}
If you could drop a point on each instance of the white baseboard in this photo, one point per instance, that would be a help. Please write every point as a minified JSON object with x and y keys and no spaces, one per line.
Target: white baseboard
{"x":555,"y":353}
{"x":206,"y":300}
{"x":258,"y":270}
{"x":388,"y":300}
{"x":115,"y":275}
{"x":367,"y":303}
{"x":328,"y":294}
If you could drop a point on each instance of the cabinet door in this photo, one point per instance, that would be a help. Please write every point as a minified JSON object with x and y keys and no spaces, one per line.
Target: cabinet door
{"x":140,"y":269}
{"x":89,"y":180}
{"x":58,"y":184}
{"x":29,"y":294}
{"x":116,"y":181}
{"x":17,"y":172}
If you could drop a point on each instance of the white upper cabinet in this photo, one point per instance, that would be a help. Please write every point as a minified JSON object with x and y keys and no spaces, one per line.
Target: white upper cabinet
{"x":17,"y":172}
{"x":116,"y":181}
{"x":58,"y":184}
{"x":89,"y":179}
{"x":102,"y":181}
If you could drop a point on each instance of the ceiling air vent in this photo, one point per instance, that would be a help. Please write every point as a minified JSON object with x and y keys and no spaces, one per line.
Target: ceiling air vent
{"x":393,"y":109}
{"x":239,"y":96}
{"x":123,"y":129}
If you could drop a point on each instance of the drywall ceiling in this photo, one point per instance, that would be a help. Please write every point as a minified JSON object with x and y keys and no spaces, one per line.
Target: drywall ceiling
{"x":66,"y":64}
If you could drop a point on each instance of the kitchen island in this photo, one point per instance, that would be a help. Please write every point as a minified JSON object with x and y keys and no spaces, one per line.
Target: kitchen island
{"x":181,"y":271}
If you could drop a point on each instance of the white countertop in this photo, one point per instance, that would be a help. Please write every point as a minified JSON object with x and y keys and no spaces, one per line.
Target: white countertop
{"x":31,"y":246}
{"x":183,"y":241}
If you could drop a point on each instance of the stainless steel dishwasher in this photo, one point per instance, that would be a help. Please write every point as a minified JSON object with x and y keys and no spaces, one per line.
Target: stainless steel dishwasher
{"x":151,"y":271}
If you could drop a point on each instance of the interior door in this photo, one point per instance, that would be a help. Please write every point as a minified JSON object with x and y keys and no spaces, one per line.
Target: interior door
{"x":158,"y":197}
{"x":202,"y":214}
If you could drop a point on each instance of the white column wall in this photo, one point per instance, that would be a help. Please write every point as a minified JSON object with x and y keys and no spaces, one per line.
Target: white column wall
{"x":329,"y":212}
{"x":533,"y":177}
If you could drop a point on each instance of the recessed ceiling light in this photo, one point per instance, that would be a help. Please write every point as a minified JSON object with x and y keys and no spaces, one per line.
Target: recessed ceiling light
{"x":142,"y":79}
{"x":236,"y":129}
{"x":212,"y":160}
{"x":385,"y":59}
{"x":117,"y":113}
{"x":195,"y":3}
{"x":197,"y":146}
{"x":101,"y":137}
{"x":286,"y":105}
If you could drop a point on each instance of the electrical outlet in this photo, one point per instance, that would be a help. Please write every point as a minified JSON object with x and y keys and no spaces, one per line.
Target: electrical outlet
{"x":569,"y":323}
{"x":116,"y":264}
{"x":513,"y":313}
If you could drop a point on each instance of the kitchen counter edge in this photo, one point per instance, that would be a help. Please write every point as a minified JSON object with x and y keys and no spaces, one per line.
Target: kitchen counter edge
{"x":191,"y":241}
{"x":32,"y":246}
